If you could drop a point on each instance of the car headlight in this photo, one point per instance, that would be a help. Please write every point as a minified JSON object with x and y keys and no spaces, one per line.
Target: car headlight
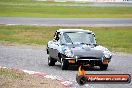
{"x":107,"y":54}
{"x":68,"y":52}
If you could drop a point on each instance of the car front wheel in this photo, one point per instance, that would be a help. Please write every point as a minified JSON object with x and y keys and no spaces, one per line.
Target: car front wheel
{"x":103,"y":66}
{"x":64,"y":64}
{"x":51,"y":61}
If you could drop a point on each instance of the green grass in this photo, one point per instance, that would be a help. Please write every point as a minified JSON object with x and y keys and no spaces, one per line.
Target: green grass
{"x":11,"y":73}
{"x":30,"y":8}
{"x":117,"y":39}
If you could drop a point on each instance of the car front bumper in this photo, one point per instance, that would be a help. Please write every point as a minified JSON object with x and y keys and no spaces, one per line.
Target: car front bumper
{"x":94,"y":62}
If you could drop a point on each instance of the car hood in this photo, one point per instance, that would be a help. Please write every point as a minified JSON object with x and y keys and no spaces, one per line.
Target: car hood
{"x":88,"y":50}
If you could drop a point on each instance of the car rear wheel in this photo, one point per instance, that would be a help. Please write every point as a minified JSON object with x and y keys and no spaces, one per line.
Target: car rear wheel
{"x":51,"y":61}
{"x":64,"y":64}
{"x":103,"y":66}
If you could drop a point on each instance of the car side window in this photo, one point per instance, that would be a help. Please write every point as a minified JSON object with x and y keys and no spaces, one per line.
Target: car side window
{"x":56,"y":36}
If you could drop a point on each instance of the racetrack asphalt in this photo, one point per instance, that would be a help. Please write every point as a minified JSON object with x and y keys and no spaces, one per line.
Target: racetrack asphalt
{"x":96,"y":4}
{"x":66,"y":21}
{"x":35,"y":59}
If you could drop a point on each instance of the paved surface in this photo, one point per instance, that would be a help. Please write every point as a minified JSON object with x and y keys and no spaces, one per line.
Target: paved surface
{"x":94,"y":4}
{"x":98,"y":4}
{"x":107,"y":4}
{"x":36,"y":60}
{"x":67,"y":21}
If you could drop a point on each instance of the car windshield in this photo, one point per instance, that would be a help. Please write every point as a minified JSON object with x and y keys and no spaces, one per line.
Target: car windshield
{"x":78,"y":38}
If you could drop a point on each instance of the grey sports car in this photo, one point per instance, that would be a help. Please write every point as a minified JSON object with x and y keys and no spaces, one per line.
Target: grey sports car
{"x":77,"y":47}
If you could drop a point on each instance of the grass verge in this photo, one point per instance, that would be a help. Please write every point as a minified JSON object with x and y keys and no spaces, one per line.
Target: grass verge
{"x":115,"y":38}
{"x":11,"y":73}
{"x":30,"y":8}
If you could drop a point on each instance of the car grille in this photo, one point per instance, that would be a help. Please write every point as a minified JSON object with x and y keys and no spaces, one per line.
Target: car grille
{"x":88,"y":58}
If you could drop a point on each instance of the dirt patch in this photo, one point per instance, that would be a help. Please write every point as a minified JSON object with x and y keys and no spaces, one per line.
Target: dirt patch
{"x":15,"y":79}
{"x":32,"y":46}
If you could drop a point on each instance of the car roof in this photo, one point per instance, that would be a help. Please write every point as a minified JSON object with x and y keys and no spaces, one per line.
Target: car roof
{"x":73,"y":30}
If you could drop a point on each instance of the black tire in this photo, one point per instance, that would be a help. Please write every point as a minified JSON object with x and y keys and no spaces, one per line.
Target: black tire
{"x":51,"y":61}
{"x":64,"y":64}
{"x":103,"y":66}
{"x":81,"y":80}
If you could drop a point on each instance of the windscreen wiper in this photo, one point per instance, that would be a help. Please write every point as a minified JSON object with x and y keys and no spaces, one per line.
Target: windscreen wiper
{"x":85,"y":43}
